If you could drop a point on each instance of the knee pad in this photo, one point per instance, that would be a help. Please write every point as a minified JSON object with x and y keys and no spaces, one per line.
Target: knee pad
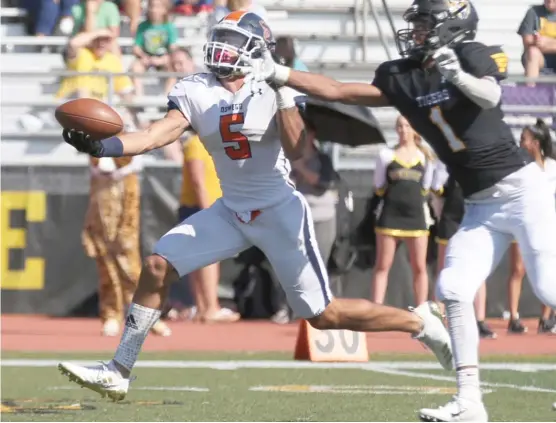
{"x":452,"y":286}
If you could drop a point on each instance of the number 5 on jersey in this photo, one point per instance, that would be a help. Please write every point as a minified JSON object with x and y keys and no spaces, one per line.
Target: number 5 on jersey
{"x":241,"y":150}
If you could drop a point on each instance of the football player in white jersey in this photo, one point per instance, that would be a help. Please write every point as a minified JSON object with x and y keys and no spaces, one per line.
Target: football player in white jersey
{"x":251,"y":133}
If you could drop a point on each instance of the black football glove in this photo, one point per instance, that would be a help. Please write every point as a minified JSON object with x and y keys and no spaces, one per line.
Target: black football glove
{"x":82,"y":142}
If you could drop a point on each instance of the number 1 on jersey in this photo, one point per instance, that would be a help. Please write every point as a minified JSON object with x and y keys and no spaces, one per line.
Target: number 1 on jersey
{"x":242,"y":149}
{"x":437,"y":118}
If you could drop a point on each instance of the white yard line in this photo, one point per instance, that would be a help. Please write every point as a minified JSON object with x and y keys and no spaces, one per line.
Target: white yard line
{"x":431,"y":376}
{"x":411,"y":369}
{"x":286,"y":364}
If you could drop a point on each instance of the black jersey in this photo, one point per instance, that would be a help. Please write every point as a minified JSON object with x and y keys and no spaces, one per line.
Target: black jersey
{"x":476,"y":144}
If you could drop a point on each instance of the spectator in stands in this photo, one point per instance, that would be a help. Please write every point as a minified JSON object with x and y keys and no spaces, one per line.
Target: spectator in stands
{"x":538,"y":31}
{"x":402,"y":179}
{"x":200,"y":189}
{"x":155,"y":40}
{"x":86,"y":52}
{"x":285,"y":48}
{"x":193,"y":7}
{"x":182,"y":61}
{"x":536,"y":139}
{"x":111,"y":236}
{"x":90,"y":52}
{"x":45,"y":15}
{"x":315,"y":178}
{"x":133,"y":10}
{"x":92,"y":15}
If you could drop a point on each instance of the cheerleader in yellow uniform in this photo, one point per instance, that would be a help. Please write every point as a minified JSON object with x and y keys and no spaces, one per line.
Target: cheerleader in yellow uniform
{"x":402,"y":179}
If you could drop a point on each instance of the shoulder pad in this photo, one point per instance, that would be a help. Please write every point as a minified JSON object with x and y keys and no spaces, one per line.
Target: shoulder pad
{"x":481,"y":60}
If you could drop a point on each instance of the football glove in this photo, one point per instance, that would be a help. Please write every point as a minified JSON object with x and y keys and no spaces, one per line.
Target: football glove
{"x":82,"y":142}
{"x":447,"y":63}
{"x":266,"y":69}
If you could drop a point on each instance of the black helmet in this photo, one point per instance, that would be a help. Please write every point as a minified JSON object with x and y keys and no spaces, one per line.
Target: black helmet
{"x":238,"y":33}
{"x":434,"y":24}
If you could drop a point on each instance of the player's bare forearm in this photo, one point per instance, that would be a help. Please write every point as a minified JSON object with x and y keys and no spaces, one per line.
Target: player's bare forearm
{"x":528,"y":40}
{"x":201,"y":196}
{"x":292,"y":132}
{"x":161,"y":133}
{"x":329,"y":89}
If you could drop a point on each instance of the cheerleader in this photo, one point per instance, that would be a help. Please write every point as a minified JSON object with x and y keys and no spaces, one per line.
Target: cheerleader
{"x":402,"y":178}
{"x":450,"y":219}
{"x":537,"y":141}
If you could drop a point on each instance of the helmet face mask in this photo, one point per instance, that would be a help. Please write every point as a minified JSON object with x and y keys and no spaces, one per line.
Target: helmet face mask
{"x":230,"y":41}
{"x":436,"y":23}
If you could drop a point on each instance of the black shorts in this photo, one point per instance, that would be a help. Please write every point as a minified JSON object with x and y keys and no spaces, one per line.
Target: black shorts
{"x":445,"y":229}
{"x":185,"y":211}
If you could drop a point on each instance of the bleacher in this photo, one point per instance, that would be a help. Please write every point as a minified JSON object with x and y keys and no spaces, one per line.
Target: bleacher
{"x":345,"y":39}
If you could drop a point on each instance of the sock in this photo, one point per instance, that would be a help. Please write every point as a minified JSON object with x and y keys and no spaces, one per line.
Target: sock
{"x":468,"y":384}
{"x":465,"y":344}
{"x":139,"y":322}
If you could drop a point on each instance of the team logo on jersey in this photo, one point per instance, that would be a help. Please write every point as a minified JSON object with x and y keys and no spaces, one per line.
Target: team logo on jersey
{"x":501,"y":60}
{"x":431,"y":99}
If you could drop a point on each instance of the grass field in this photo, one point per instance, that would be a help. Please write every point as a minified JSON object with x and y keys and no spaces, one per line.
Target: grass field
{"x":272,"y":387}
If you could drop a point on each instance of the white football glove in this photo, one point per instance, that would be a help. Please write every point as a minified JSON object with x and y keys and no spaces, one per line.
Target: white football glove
{"x":265,"y":68}
{"x":447,"y":63}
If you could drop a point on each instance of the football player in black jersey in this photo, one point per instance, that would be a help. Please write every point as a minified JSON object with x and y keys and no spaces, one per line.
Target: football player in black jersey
{"x":447,"y":86}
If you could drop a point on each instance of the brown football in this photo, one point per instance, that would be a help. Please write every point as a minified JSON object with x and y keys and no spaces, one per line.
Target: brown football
{"x":90,"y":116}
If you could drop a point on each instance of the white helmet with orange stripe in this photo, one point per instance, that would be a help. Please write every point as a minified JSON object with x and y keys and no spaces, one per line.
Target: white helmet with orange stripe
{"x":239,"y":33}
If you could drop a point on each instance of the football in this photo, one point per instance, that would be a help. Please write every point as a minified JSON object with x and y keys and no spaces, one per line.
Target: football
{"x":90,"y":116}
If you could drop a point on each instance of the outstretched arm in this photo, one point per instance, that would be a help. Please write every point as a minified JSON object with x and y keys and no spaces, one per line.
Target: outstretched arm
{"x":265,"y":68}
{"x":159,"y":134}
{"x":329,"y":89}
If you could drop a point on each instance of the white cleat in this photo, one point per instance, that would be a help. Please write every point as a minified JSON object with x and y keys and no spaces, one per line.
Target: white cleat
{"x":100,"y":378}
{"x":456,"y":410}
{"x":434,"y":334}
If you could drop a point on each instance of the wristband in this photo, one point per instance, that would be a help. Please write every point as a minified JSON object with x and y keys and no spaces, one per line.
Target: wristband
{"x":112,"y":147}
{"x":281,"y":74}
{"x":285,"y":98}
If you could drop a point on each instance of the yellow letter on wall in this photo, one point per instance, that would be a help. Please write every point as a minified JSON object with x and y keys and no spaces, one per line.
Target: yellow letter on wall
{"x":31,"y":277}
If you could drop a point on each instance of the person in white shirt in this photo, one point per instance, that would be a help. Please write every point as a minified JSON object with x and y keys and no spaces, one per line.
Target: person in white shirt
{"x":537,"y":141}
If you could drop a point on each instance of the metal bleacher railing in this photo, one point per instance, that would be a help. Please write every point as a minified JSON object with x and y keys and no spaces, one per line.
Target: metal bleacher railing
{"x":525,"y":106}
{"x":363,"y":21}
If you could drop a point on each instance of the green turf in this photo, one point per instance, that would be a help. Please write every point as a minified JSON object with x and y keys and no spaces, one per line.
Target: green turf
{"x":41,"y":394}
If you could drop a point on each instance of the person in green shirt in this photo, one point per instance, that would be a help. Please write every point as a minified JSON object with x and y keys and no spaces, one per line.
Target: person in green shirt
{"x":156,"y":38}
{"x":93,"y":15}
{"x":90,"y":15}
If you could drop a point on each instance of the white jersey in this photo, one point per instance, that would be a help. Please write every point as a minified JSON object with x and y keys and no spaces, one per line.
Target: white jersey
{"x":550,"y":170}
{"x":240,"y":132}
